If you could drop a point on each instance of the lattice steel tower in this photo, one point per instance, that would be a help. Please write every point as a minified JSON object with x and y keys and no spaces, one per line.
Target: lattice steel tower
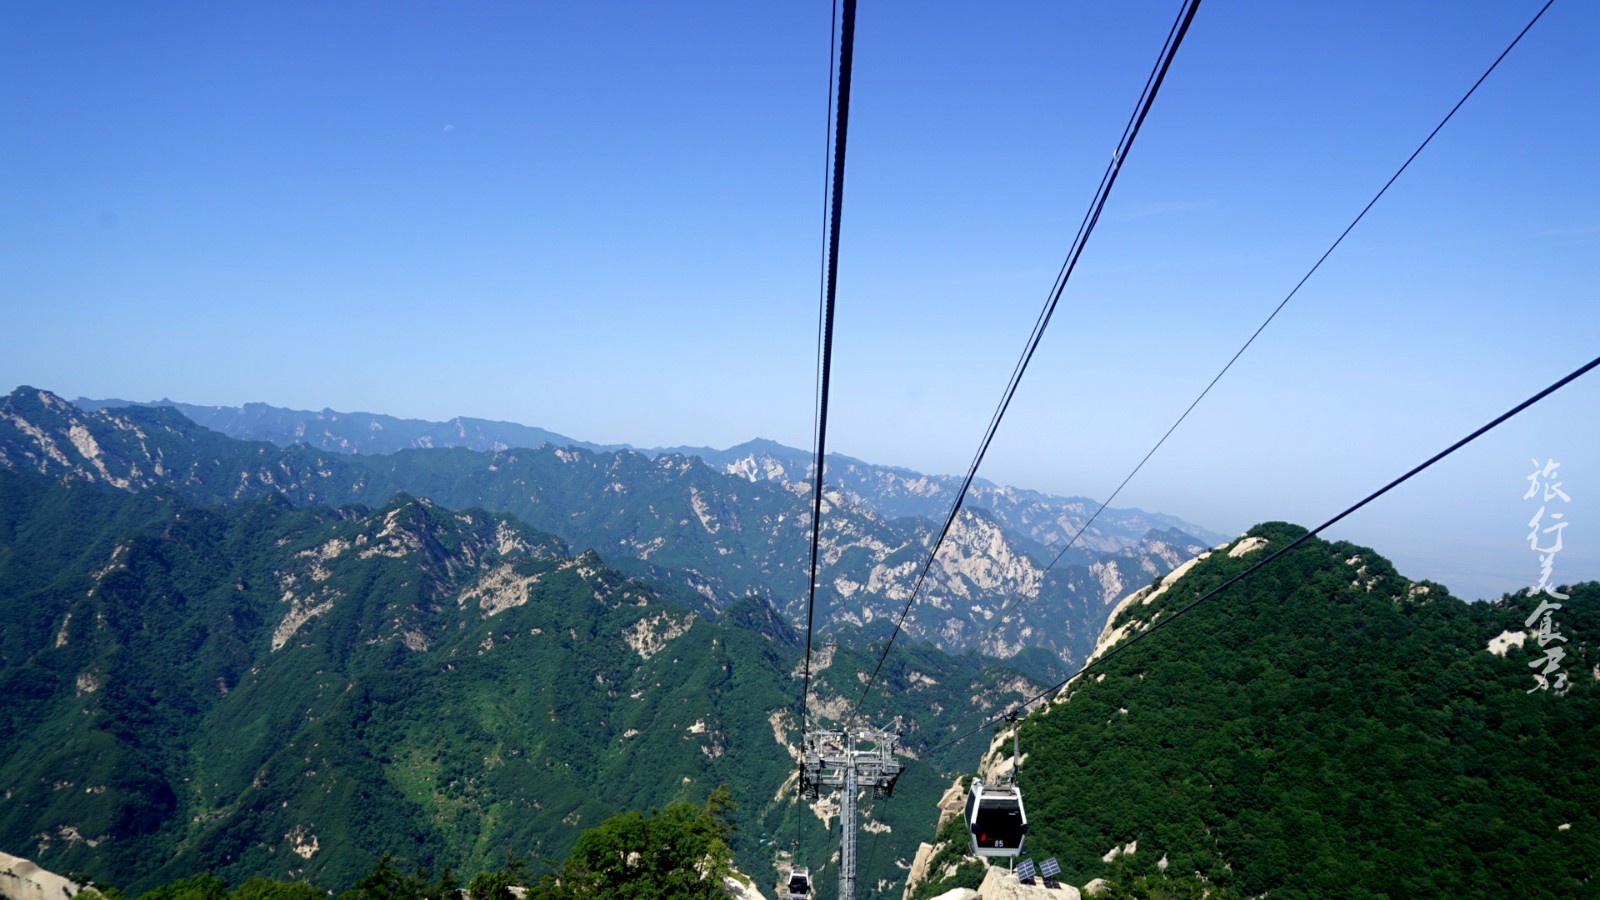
{"x":852,"y":760}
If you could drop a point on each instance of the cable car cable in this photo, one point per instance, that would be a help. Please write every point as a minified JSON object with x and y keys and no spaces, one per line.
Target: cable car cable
{"x":1000,"y":618}
{"x":1091,"y":219}
{"x":1138,"y":636}
{"x":1061,"y":275}
{"x":840,"y":122}
{"x":822,"y":247}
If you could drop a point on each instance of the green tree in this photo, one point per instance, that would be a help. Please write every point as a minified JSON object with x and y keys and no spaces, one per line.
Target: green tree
{"x":677,"y":853}
{"x":385,"y":882}
{"x":268,"y":889}
{"x":1131,"y":886}
{"x":497,"y":885}
{"x":204,"y":886}
{"x":448,"y":887}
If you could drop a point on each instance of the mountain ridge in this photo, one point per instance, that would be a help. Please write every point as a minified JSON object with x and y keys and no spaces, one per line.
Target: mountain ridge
{"x":354,"y":432}
{"x":890,"y":491}
{"x":668,"y":516}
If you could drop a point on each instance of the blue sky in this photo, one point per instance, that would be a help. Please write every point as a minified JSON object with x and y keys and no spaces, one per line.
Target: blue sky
{"x":605,"y":219}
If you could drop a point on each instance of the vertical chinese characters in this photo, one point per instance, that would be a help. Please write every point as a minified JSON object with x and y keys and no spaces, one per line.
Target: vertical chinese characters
{"x":1545,"y":540}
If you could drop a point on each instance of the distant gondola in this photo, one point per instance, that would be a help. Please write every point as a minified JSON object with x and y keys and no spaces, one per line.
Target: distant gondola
{"x":799,"y":886}
{"x":996,"y":822}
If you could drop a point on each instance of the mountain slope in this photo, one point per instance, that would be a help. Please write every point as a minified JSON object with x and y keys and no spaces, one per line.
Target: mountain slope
{"x":1326,"y":728}
{"x":264,"y":689}
{"x":268,"y":689}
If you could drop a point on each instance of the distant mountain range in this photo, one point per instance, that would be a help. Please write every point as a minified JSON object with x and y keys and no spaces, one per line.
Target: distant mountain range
{"x":887,"y":491}
{"x":367,"y":433}
{"x":723,"y":523}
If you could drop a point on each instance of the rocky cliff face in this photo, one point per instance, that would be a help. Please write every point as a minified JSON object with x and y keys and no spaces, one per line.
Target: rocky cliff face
{"x":1001,"y":546}
{"x":21,"y":879}
{"x":1044,"y":519}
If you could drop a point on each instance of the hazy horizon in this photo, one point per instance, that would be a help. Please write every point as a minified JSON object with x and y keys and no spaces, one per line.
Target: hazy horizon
{"x":1412,"y":563}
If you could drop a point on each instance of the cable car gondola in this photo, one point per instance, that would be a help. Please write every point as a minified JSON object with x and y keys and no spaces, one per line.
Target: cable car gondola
{"x":799,"y":885}
{"x":996,"y":821}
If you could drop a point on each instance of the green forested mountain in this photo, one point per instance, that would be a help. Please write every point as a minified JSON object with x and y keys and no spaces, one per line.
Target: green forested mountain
{"x":258,"y":688}
{"x":671,"y":517}
{"x":1327,"y":728}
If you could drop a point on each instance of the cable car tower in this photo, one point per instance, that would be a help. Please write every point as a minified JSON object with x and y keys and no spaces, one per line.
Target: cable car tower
{"x":850,"y":760}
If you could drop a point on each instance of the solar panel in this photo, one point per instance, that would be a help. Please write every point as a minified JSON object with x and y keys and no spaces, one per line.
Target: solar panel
{"x":1049,"y":869}
{"x":1025,"y":870}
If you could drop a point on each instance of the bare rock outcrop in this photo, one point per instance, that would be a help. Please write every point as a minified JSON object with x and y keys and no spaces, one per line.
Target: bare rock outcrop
{"x":1000,"y":884}
{"x":22,"y":879}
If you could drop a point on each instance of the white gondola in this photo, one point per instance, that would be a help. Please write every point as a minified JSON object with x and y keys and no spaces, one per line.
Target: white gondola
{"x":996,"y":822}
{"x":798,"y":887}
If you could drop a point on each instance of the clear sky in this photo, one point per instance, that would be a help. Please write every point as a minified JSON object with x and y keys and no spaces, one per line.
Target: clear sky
{"x":605,"y":219}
